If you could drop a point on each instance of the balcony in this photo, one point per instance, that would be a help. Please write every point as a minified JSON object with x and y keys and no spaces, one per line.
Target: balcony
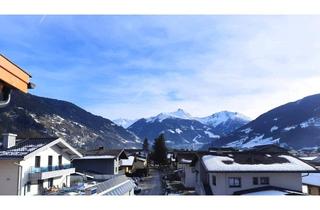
{"x":40,"y":173}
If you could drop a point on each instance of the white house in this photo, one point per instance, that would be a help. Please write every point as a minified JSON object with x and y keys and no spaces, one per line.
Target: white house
{"x":185,"y":163}
{"x":30,"y":166}
{"x":250,"y":173}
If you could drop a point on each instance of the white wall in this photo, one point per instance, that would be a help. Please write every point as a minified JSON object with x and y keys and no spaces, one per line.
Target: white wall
{"x":54,"y":151}
{"x":8,"y":177}
{"x":189,"y":179}
{"x":292,"y":181}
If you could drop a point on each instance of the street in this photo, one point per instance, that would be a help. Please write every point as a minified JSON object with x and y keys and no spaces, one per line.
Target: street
{"x":151,"y":185}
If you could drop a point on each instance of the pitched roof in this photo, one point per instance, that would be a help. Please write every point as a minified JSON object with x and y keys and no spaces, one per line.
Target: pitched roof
{"x":185,"y":157}
{"x":95,"y":157}
{"x":24,"y":147}
{"x":104,"y":151}
{"x":311,"y":179}
{"x":255,"y":162}
{"x":117,"y":185}
{"x":127,"y":162}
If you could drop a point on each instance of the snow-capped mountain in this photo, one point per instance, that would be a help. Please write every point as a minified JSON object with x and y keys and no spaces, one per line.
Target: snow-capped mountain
{"x":185,"y":131}
{"x":180,"y":114}
{"x":124,"y":122}
{"x":225,"y":121}
{"x":295,"y":124}
{"x":33,"y":116}
{"x":179,"y":133}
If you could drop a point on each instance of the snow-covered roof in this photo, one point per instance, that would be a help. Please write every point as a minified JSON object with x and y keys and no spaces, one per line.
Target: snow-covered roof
{"x":101,"y":151}
{"x":185,"y":161}
{"x":311,"y":179}
{"x":24,"y":147}
{"x":117,"y":185}
{"x":255,"y":162}
{"x":97,"y":157}
{"x":309,"y":158}
{"x":141,"y":158}
{"x":127,"y":162}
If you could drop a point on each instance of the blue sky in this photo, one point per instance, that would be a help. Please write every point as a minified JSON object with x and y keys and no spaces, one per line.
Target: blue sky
{"x":138,"y":66}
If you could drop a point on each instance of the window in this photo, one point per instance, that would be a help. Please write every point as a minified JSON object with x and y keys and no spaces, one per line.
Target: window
{"x":50,"y":162}
{"x":255,"y":181}
{"x":60,"y":160}
{"x":37,"y":162}
{"x":264,"y":180}
{"x":214,"y":182}
{"x":50,"y":182}
{"x":28,"y":186}
{"x":234,"y":181}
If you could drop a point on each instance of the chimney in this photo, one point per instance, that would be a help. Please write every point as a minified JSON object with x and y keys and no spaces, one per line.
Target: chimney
{"x":9,"y":140}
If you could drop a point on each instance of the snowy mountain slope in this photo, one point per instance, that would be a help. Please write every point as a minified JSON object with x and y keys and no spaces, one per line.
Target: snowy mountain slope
{"x":184,"y":131}
{"x":179,"y":133}
{"x":33,"y":116}
{"x":180,"y":114}
{"x":225,"y":121}
{"x":124,"y":122}
{"x":295,"y":124}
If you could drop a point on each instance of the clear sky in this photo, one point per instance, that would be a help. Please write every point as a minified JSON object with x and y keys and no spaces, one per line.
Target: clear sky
{"x":138,"y":66}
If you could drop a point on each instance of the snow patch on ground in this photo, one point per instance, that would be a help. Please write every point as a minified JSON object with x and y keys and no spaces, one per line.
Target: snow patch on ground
{"x":274,"y":128}
{"x":171,"y":131}
{"x":237,"y":143}
{"x":178,"y":130}
{"x":311,"y":122}
{"x":195,"y":139}
{"x":34,"y":117}
{"x":289,"y":128}
{"x":211,"y":135}
{"x":259,"y":140}
{"x":247,"y":130}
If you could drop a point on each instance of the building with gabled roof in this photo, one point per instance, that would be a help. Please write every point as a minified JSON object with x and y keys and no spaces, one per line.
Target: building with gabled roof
{"x":100,"y":162}
{"x":30,"y":166}
{"x":250,"y":171}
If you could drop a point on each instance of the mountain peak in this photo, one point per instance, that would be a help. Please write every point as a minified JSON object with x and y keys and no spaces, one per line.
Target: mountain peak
{"x":179,"y":113}
{"x":224,"y":115}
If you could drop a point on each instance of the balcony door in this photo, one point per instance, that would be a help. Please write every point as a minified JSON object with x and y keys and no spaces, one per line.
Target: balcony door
{"x":37,"y":162}
{"x":60,"y":161}
{"x":50,"y":163}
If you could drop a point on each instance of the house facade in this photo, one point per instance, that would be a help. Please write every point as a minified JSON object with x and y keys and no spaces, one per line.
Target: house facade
{"x":32,"y":166}
{"x":101,"y":162}
{"x":248,"y":172}
{"x":186,"y":163}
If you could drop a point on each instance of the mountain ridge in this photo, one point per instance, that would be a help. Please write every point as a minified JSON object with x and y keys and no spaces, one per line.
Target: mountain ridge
{"x":30,"y":115}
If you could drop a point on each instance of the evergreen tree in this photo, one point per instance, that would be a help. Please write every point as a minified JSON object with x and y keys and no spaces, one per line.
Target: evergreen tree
{"x":145,"y":145}
{"x":159,"y":154}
